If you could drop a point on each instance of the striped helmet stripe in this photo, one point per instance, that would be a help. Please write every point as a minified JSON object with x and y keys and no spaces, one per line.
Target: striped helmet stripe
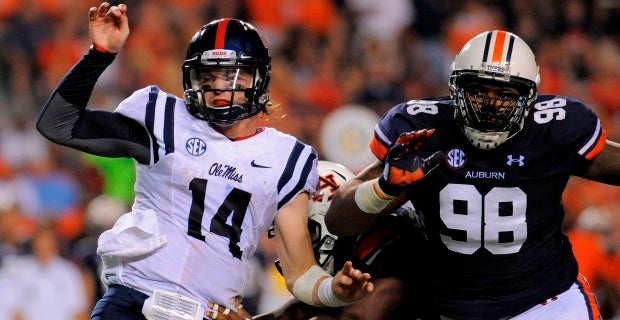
{"x":487,"y":45}
{"x":494,"y":50}
{"x":220,"y":37}
{"x":511,"y":43}
{"x":498,"y":47}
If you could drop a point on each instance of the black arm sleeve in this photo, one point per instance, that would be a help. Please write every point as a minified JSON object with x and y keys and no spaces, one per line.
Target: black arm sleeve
{"x":65,"y":119}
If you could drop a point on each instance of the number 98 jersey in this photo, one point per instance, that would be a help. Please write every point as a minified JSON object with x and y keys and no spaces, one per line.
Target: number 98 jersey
{"x":494,"y":217}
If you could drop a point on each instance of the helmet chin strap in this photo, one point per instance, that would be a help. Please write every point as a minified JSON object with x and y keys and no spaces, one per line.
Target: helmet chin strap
{"x":222,"y":124}
{"x":230,"y":111}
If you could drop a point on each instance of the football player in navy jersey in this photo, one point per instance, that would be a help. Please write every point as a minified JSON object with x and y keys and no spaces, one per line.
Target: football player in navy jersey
{"x":209,"y":183}
{"x":486,"y":168}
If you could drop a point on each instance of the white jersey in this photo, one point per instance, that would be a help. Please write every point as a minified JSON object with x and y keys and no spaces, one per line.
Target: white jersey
{"x":213,"y":199}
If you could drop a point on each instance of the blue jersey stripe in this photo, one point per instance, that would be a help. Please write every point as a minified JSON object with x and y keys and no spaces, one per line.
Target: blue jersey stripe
{"x":149,"y":120}
{"x":302,"y":181}
{"x":290,"y":166}
{"x":169,"y":125}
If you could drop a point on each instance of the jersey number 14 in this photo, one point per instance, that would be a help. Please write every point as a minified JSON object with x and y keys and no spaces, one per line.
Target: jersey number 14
{"x":236,"y":203}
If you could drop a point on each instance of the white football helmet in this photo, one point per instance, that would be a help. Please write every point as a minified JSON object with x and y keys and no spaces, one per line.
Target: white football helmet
{"x":500,"y":59}
{"x":332,"y":175}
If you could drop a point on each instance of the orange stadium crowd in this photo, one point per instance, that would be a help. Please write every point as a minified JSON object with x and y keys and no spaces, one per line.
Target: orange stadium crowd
{"x":326,"y":54}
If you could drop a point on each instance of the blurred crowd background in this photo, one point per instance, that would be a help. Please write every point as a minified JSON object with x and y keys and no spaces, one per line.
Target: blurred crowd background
{"x":362,"y":56}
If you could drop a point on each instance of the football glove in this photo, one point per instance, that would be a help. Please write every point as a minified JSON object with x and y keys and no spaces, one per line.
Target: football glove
{"x":403,"y":166}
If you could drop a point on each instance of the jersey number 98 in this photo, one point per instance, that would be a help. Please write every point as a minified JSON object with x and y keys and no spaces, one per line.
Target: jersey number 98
{"x":495,"y":221}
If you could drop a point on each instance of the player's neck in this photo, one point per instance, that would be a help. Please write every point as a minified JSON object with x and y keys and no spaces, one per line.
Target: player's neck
{"x":241,"y":129}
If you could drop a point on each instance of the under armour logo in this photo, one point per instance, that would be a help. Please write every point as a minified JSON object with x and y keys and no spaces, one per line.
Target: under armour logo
{"x":519,"y":160}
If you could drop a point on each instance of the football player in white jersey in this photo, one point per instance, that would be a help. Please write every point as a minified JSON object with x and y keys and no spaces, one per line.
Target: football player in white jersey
{"x":486,"y":168}
{"x":210,"y":181}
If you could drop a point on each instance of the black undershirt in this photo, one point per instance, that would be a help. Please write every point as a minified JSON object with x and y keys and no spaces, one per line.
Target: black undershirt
{"x":67,"y":121}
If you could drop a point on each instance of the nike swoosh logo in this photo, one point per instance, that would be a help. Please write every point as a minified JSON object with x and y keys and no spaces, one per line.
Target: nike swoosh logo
{"x":256,"y":165}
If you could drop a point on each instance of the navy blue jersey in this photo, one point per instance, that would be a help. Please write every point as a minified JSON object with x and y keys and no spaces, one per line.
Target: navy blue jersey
{"x":494,"y":217}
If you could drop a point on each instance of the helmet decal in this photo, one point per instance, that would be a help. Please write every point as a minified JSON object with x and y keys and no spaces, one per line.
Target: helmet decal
{"x":498,"y":47}
{"x":220,"y":35}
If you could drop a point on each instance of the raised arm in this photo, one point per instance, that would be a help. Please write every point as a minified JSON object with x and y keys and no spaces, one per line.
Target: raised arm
{"x":379,"y":188}
{"x":344,"y":217}
{"x":65,"y":119}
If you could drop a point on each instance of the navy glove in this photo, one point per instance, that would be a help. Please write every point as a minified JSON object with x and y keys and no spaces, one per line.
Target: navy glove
{"x":403,"y":166}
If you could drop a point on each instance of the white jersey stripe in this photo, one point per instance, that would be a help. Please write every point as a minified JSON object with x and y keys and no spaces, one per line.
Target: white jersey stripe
{"x":588,"y":146}
{"x":384,"y":139}
{"x":159,"y":114}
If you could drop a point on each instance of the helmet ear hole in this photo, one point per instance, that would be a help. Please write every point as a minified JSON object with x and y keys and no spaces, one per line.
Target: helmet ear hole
{"x":193,"y":100}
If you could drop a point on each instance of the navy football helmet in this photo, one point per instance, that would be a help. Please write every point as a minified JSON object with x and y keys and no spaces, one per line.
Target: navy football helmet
{"x":226,"y":47}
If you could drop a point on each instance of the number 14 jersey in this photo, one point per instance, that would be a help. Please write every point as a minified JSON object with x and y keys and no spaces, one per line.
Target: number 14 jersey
{"x":213,"y":198}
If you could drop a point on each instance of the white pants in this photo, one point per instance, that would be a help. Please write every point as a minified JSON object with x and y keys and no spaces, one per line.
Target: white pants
{"x":576,"y":303}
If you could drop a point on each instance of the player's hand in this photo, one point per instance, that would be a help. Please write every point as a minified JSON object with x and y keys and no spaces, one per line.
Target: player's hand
{"x":108,"y":27}
{"x":403,"y":166}
{"x":218,"y":312}
{"x":350,"y":284}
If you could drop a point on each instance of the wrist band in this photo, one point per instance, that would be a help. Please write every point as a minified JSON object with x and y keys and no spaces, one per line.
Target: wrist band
{"x":370,"y":198}
{"x":101,"y":49}
{"x":389,"y":190}
{"x":304,"y":285}
{"x":327,"y":296}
